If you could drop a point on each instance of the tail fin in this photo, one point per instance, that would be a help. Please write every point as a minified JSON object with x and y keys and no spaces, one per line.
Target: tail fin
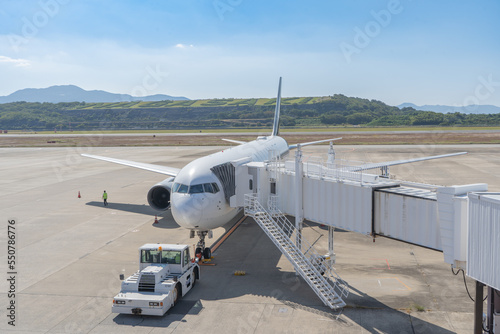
{"x":276,"y":123}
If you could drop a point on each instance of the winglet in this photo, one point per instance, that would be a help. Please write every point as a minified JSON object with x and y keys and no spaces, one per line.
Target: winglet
{"x":276,"y":123}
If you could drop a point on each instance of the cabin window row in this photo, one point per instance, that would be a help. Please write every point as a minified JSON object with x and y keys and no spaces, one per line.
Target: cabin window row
{"x":195,"y":188}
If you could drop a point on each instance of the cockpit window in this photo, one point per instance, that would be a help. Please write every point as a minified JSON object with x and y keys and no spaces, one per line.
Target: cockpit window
{"x":211,"y":188}
{"x":183,"y":189}
{"x":196,"y":189}
{"x":208,"y":188}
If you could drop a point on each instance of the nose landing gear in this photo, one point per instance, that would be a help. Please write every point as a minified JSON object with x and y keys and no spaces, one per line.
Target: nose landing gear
{"x":201,"y":250}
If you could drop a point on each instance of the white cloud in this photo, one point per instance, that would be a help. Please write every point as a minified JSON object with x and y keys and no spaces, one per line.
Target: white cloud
{"x":183,"y":46}
{"x":16,"y":62}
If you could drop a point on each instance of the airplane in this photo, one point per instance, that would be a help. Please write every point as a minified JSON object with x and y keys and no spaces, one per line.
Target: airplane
{"x":198,"y":194}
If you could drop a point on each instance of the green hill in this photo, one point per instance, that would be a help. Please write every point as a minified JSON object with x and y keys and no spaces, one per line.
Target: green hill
{"x":336,"y":110}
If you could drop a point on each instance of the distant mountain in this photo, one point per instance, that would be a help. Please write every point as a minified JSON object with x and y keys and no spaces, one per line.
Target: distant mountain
{"x":471,"y":109}
{"x":71,"y":93}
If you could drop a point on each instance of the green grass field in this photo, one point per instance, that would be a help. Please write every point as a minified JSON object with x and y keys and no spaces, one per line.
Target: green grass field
{"x":202,"y":103}
{"x":282,"y":130}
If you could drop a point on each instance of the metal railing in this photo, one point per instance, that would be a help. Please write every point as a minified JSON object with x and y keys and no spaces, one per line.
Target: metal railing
{"x":315,"y":167}
{"x":311,"y":265}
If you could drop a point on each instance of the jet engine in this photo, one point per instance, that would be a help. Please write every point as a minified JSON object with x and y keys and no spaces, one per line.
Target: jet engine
{"x":159,"y":195}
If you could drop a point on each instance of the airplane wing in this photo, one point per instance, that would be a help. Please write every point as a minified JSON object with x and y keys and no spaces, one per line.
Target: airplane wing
{"x":172,"y":171}
{"x":234,"y":141}
{"x":291,"y":147}
{"x":399,"y":162}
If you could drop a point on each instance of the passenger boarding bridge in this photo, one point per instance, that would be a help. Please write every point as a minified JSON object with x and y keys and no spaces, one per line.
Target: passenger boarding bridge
{"x":461,"y":221}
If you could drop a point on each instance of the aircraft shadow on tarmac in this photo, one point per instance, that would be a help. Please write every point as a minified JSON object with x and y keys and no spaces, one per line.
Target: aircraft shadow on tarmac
{"x":134,"y":208}
{"x":249,"y":249}
{"x":166,"y":222}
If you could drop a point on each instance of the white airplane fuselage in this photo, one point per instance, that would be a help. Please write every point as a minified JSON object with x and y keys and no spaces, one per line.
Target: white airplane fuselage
{"x":201,"y":210}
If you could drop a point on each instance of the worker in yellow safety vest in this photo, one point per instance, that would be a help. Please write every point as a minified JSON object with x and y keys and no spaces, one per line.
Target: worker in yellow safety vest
{"x":105,"y":198}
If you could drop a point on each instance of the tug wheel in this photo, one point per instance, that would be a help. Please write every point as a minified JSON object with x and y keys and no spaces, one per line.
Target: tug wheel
{"x":176,"y":294}
{"x":193,"y":277}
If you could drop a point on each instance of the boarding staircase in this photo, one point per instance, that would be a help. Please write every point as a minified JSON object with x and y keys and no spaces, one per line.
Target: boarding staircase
{"x":313,"y":268}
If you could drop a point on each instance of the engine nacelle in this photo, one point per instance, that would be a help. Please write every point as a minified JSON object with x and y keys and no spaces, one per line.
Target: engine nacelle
{"x":159,"y":195}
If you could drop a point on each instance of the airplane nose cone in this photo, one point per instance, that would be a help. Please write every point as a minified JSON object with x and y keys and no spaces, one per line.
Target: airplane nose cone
{"x":187,"y":210}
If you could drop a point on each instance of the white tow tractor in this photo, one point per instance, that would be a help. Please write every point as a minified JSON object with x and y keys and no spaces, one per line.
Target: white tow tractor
{"x":166,"y":273}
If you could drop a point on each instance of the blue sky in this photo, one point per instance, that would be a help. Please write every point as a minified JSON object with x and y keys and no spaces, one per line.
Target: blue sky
{"x":425,"y":52}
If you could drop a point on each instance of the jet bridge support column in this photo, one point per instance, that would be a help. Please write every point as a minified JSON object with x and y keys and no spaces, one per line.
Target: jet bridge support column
{"x":331,"y":157}
{"x":478,"y":309}
{"x":331,"y":253}
{"x":331,"y":165}
{"x":299,"y":210}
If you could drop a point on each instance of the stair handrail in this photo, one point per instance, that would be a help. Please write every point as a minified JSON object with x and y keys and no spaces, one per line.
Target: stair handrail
{"x":252,"y":205}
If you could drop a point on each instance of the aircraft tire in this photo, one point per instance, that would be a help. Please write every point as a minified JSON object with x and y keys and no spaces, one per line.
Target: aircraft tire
{"x":207,"y":253}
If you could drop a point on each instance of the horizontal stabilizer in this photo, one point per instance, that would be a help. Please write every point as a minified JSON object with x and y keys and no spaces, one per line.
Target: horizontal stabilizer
{"x":172,"y":171}
{"x":399,"y":162}
{"x":234,"y":141}
{"x":312,"y":143}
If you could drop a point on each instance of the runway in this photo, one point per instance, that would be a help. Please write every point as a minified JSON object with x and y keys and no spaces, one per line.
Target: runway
{"x":71,"y":251}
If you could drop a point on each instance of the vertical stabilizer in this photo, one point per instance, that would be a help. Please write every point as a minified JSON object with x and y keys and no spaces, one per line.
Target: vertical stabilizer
{"x":276,"y":123}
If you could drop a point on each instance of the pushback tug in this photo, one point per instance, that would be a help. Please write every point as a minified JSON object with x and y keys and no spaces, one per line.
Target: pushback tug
{"x":166,"y":273}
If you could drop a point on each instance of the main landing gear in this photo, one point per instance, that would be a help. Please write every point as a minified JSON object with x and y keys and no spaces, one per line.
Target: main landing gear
{"x":201,"y":250}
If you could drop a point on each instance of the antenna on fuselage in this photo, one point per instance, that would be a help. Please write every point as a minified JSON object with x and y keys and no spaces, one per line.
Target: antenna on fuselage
{"x":276,"y":123}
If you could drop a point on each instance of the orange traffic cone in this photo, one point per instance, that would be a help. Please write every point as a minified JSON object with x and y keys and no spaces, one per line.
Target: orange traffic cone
{"x":79,"y":195}
{"x":156,"y":220}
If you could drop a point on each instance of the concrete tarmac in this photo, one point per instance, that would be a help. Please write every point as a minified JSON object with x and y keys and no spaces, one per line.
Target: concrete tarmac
{"x":70,"y":252}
